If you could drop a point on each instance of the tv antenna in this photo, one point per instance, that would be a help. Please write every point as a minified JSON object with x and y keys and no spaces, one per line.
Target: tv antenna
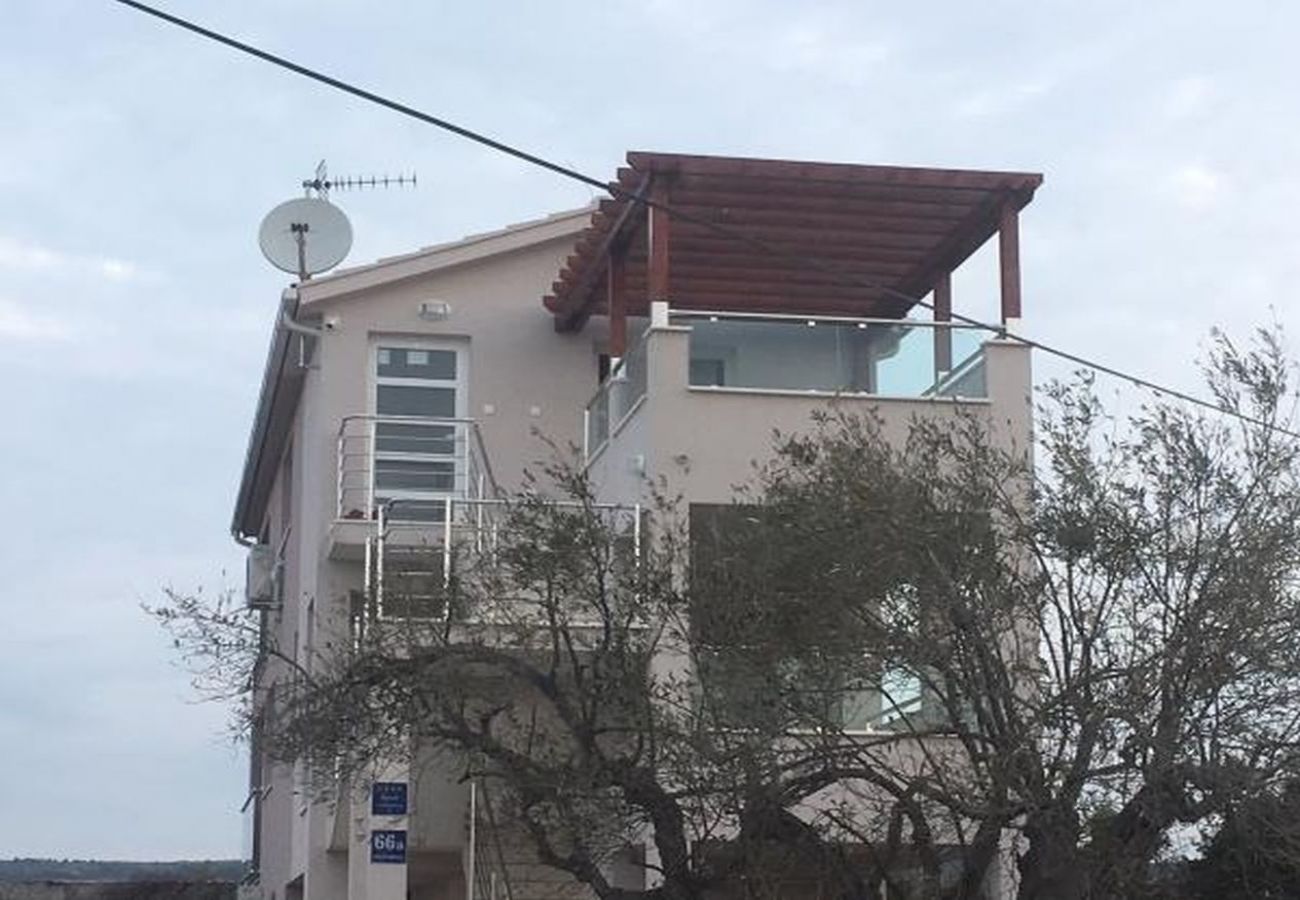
{"x":322,"y":183}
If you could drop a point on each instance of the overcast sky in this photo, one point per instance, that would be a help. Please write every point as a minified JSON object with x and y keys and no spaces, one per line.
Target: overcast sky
{"x":137,"y":160}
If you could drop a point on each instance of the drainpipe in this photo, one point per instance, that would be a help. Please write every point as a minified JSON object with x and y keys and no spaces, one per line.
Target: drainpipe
{"x":287,"y":319}
{"x":289,"y":323}
{"x":288,"y":302}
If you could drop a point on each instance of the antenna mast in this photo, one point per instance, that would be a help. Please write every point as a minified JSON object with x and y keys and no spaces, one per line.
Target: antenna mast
{"x":322,"y":184}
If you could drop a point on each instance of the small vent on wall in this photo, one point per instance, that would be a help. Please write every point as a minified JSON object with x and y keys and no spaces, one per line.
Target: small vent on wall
{"x":434,"y":310}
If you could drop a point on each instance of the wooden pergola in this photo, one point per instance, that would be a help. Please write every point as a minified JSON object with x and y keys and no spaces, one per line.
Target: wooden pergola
{"x":779,"y":236}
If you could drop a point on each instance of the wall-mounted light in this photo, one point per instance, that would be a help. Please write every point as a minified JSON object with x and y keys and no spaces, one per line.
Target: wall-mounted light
{"x":434,"y":310}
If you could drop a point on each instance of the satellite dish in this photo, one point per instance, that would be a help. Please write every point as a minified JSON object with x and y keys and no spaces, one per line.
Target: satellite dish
{"x":305,"y":236}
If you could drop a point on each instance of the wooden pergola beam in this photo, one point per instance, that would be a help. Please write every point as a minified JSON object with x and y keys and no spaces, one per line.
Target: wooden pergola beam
{"x":572,"y":303}
{"x":843,"y":173}
{"x":733,"y":255}
{"x":799,"y":240}
{"x":742,"y":217}
{"x":682,"y":287}
{"x":964,"y":240}
{"x":740,"y":186}
{"x":722,"y":267}
{"x":842,"y":204}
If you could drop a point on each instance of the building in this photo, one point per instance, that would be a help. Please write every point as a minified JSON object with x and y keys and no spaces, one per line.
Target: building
{"x":421,"y":382}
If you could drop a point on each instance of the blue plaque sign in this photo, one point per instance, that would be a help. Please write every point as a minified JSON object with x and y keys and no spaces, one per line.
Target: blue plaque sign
{"x":387,"y":846}
{"x":388,"y":798}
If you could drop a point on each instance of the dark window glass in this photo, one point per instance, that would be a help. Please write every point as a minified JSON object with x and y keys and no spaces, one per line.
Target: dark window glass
{"x":398,"y":362}
{"x":433,"y":440}
{"x":414,"y":475}
{"x":412,"y":400}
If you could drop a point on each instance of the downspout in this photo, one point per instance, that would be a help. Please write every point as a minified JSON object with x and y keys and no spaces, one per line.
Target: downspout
{"x":290,"y":324}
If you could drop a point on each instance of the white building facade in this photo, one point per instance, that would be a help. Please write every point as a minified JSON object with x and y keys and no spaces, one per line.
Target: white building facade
{"x":663,"y":339}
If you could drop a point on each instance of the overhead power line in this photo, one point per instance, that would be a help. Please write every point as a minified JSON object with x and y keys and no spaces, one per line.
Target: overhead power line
{"x":620,"y":192}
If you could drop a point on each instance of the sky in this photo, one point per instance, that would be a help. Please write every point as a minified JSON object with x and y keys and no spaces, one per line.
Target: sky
{"x":136,"y":162}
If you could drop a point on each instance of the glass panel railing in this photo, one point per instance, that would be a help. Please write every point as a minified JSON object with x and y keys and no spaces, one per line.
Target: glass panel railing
{"x":617,"y":397}
{"x":893,"y":358}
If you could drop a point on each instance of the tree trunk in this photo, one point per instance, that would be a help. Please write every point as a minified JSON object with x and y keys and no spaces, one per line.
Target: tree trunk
{"x":1052,"y":868}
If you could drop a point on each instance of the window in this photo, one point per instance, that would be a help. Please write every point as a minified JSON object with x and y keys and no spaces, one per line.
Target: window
{"x":769,"y":651}
{"x":420,"y":440}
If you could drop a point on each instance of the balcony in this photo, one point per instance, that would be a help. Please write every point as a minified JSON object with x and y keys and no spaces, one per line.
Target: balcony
{"x":700,"y":397}
{"x":415,"y":472}
{"x":877,"y":357}
{"x":416,"y":499}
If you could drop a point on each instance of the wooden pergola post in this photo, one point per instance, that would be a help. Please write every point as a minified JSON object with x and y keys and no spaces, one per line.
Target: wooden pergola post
{"x":657,"y":264}
{"x":1009,"y":257}
{"x":616,"y":297}
{"x":943,"y":314}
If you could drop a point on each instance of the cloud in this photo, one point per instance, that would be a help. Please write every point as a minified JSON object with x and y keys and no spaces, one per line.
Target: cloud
{"x":19,"y":324}
{"x":815,"y":49}
{"x":28,"y":257}
{"x":1189,"y":97}
{"x":1195,"y":186}
{"x":119,"y":270}
{"x":24,"y":256}
{"x":1001,"y":100}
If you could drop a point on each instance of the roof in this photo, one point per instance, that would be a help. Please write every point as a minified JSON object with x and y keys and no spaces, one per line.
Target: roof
{"x":742,"y":232}
{"x":474,"y":247}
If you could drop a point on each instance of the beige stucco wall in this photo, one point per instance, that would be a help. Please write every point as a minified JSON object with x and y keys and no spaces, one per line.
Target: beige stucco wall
{"x":705,"y":441}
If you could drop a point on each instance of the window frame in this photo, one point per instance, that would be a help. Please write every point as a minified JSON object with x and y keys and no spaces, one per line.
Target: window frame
{"x":459,"y":386}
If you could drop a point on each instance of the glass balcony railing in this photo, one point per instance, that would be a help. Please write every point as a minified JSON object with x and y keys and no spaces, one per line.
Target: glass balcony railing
{"x":618,"y":395}
{"x":883,"y":357}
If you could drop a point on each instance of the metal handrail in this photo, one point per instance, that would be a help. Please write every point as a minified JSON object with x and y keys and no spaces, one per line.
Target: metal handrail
{"x":477,"y":461}
{"x":483,"y":527}
{"x":796,"y":317}
{"x":622,"y":374}
{"x":481,"y":880}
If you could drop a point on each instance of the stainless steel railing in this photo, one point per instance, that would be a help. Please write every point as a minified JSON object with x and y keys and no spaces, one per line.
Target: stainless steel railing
{"x":410,"y":459}
{"x":409,"y":564}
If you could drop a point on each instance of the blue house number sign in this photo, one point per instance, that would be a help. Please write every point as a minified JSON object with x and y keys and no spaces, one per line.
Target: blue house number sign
{"x":387,"y":846}
{"x":388,"y":798}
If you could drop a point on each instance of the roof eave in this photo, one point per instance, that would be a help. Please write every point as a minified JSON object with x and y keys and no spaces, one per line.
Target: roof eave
{"x":246,"y":521}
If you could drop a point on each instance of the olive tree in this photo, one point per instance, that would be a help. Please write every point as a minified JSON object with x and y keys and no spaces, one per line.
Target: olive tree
{"x":915,"y":667}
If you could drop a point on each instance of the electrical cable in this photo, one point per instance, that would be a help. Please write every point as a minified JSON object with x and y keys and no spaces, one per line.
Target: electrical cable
{"x":620,"y":192}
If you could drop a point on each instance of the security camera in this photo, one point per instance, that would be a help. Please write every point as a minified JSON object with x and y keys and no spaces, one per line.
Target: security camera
{"x":330,"y":323}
